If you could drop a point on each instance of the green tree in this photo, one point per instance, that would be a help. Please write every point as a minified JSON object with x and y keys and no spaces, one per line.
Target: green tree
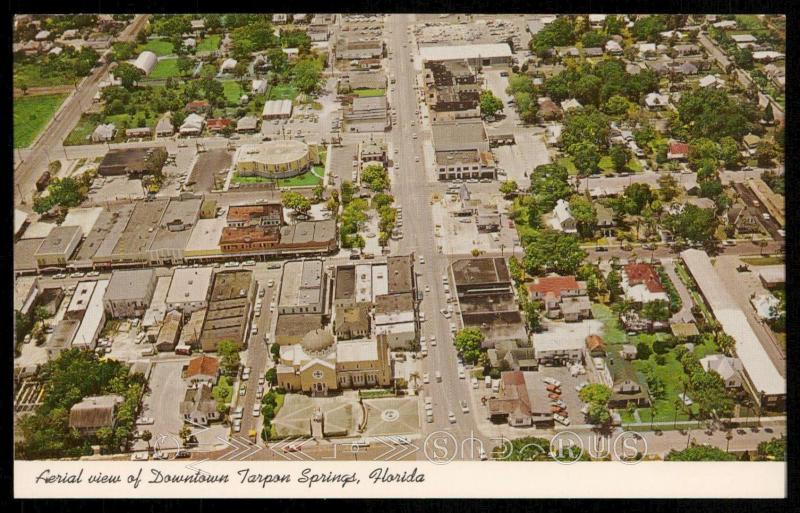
{"x":271,"y":376}
{"x":693,"y":224}
{"x":714,"y":114}
{"x":552,"y":251}
{"x":772,"y":450}
{"x":508,"y":188}
{"x":700,"y":453}
{"x":549,"y":183}
{"x":765,"y":153}
{"x":729,"y":152}
{"x":619,"y":157}
{"x":585,"y":215}
{"x":128,"y":75}
{"x":744,"y":59}
{"x":585,"y":125}
{"x":306,"y":74}
{"x":375,"y":177}
{"x":228,"y":351}
{"x":709,"y":393}
{"x":585,"y":156}
{"x":668,"y":187}
{"x":595,"y":393}
{"x":533,"y":317}
{"x":296,"y":201}
{"x":490,"y":104}
{"x":468,"y":343}
{"x":657,"y":310}
{"x":318,"y":192}
{"x":146,"y":437}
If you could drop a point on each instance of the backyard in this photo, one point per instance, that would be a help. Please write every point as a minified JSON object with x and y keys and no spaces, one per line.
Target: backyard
{"x":208,"y":44}
{"x":232,"y":91}
{"x":369,"y":92}
{"x":31,"y":114}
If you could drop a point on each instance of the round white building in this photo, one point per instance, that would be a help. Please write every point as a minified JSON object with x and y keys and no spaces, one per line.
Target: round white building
{"x":273,"y":159}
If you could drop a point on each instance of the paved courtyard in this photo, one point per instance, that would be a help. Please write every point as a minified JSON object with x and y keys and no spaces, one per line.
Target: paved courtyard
{"x":392,"y":416}
{"x":294,"y":417}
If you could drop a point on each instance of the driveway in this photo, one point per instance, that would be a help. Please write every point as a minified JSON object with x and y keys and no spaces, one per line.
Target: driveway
{"x":685,"y":313}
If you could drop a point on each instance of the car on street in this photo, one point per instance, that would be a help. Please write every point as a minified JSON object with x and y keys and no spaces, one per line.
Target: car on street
{"x":237,"y":426}
{"x":554,"y":396}
{"x":256,"y":410}
{"x":451,"y":417}
{"x":426,"y":378}
{"x":93,"y":274}
{"x":242,"y":390}
{"x":159,"y":456}
{"x":580,"y":386}
{"x":429,"y":417}
{"x":464,"y":406}
{"x":475,"y":383}
{"x":438,"y":376}
{"x":77,"y":275}
{"x":182,"y":454}
{"x":139,"y":456}
{"x":483,"y":455}
{"x":145,"y":421}
{"x":59,"y":276}
{"x":433,"y":340}
{"x":293,"y":447}
{"x":561,"y":419}
{"x":765,"y":216}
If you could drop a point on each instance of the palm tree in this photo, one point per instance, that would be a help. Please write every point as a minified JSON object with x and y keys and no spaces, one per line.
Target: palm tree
{"x":147,"y":436}
{"x":185,"y":433}
{"x":414,"y":376}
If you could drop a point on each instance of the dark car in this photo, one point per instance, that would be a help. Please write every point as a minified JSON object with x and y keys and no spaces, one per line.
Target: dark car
{"x":182,"y":454}
{"x":601,"y":248}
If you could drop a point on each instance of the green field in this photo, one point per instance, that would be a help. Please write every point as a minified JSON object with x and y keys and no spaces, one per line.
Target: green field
{"x":369,"y":92}
{"x":208,"y":44}
{"x":159,"y":47}
{"x":232,"y":91}
{"x":31,"y":114}
{"x":282,"y":92}
{"x":748,"y":22}
{"x":767,"y":260}
{"x":307,"y":179}
{"x":38,"y":75}
{"x":165,"y":69}
{"x":569,"y":165}
{"x":81,"y":132}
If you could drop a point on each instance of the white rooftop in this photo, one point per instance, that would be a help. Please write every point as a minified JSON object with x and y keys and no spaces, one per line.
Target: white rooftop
{"x":449,"y":53}
{"x":762,"y":372}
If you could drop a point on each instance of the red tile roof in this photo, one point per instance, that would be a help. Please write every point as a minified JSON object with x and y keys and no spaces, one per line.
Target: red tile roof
{"x":217,"y":124}
{"x":553,"y":285}
{"x":643,"y":273}
{"x":203,"y":366}
{"x":679,"y":148}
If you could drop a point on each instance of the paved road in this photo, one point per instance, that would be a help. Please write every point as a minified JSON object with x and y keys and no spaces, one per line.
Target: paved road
{"x":751,"y":201}
{"x":49,"y":144}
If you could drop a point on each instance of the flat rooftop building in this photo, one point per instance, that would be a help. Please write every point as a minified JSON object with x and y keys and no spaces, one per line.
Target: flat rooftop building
{"x":189,"y":289}
{"x":475,"y":55}
{"x":129,"y":292}
{"x":228,"y":313}
{"x":303,"y":287}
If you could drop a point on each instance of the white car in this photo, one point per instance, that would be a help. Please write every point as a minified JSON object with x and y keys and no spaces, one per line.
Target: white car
{"x":145,"y":421}
{"x":475,"y":383}
{"x":464,"y":406}
{"x":561,"y":420}
{"x":580,"y":386}
{"x":139,"y":456}
{"x":237,"y":426}
{"x":422,"y":317}
{"x":451,"y":417}
{"x":256,"y":411}
{"x":452,"y":327}
{"x":254,"y":329}
{"x":433,"y":340}
{"x":77,"y":275}
{"x":427,"y":288}
{"x":59,"y":276}
{"x":483,"y":455}
{"x":426,"y":378}
{"x":93,"y":274}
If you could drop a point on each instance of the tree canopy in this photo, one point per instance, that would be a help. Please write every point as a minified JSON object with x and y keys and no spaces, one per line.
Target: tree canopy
{"x":552,"y":251}
{"x":468,"y":343}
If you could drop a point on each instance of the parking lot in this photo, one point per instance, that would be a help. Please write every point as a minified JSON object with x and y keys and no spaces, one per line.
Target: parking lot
{"x":209,"y":167}
{"x":162,"y":404}
{"x":460,"y":235}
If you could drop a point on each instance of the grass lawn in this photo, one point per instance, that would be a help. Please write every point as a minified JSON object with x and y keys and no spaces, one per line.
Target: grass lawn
{"x":208,"y":44}
{"x":38,"y":75}
{"x":81,"y":132}
{"x":282,"y":92}
{"x":369,"y":92}
{"x":232,"y":91}
{"x":748,"y":22}
{"x":159,"y":47}
{"x":569,"y":165}
{"x":612,"y":332}
{"x":165,"y":68}
{"x":605,"y":164}
{"x":634,"y":165}
{"x":31,"y":114}
{"x":305,"y":180}
{"x":768,"y":260}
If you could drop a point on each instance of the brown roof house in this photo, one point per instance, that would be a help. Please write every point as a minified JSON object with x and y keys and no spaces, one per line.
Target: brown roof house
{"x":203,"y":369}
{"x":93,"y":413}
{"x":562,"y":296}
{"x":199,"y":406}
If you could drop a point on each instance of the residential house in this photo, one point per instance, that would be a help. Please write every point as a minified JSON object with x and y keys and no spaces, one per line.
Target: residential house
{"x":94,"y":413}
{"x":728,"y":368}
{"x":642,"y":284}
{"x":561,"y":296}
{"x":571,"y":103}
{"x":677,"y":151}
{"x":605,"y":220}
{"x":627,"y":385}
{"x":656,"y":101}
{"x":750,"y":142}
{"x":259,"y":86}
{"x":595,"y":347}
{"x":192,"y":125}
{"x":613,"y":48}
{"x":104,"y":133}
{"x":197,"y":107}
{"x":247,"y":125}
{"x":203,"y":369}
{"x":199,"y":406}
{"x":562,"y":219}
{"x":628,"y":352}
{"x":164,"y":127}
{"x":217,"y":124}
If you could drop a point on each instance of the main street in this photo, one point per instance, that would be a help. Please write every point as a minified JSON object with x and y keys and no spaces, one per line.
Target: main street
{"x":412,"y":192}
{"x":48,"y":146}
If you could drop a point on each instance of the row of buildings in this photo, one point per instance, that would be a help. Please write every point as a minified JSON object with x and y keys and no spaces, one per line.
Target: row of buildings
{"x":170,"y":232}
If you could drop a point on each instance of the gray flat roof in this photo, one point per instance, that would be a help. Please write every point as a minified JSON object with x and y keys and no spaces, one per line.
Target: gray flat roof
{"x":141,"y":228}
{"x":59,"y":240}
{"x":129,"y":284}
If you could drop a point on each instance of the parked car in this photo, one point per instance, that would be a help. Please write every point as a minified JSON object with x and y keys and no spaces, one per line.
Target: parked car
{"x":182,"y":454}
{"x":451,"y":417}
{"x":554,"y":389}
{"x":464,"y":406}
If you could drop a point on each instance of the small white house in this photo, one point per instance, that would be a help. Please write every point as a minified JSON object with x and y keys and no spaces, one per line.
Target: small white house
{"x":259,"y":86}
{"x":103,"y":133}
{"x":192,"y":125}
{"x":228,"y":65}
{"x":563,"y":219}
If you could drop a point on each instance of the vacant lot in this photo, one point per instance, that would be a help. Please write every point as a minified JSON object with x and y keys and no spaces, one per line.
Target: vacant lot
{"x":232,"y":91}
{"x":31,"y":114}
{"x":282,"y":92}
{"x":157,"y":46}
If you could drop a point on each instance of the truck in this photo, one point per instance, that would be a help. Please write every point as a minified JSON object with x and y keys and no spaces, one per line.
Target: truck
{"x":43,"y":181}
